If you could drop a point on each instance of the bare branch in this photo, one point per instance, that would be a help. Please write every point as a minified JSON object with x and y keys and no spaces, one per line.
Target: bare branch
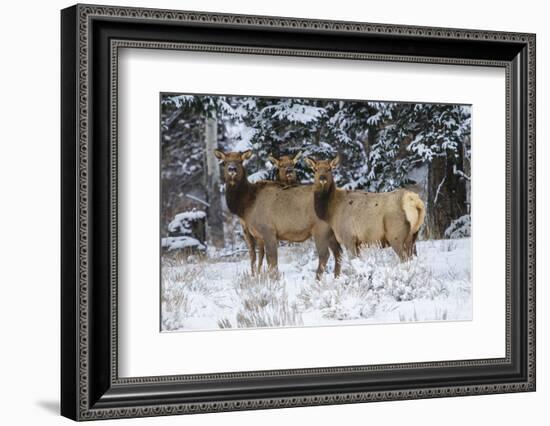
{"x":439,"y":189}
{"x":197,"y":199}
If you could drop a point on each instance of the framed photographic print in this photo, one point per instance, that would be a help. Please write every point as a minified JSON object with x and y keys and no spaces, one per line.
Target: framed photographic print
{"x":263,"y":212}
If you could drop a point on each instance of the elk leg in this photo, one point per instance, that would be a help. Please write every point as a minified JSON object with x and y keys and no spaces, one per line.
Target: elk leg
{"x":271,"y":253}
{"x":351,"y":246}
{"x":410,"y":245}
{"x":261,"y":254}
{"x":415,"y":236}
{"x":399,"y":244}
{"x":398,"y":248}
{"x":408,"y":249}
{"x":357,"y":247}
{"x":400,"y":241}
{"x":251,"y":244}
{"x":323,"y":252}
{"x":336,"y":250}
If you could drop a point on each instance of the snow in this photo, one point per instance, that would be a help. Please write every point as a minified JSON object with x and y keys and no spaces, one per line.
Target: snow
{"x":177,"y":243}
{"x":241,"y":135}
{"x":181,"y":221}
{"x":459,"y":228}
{"x":190,"y":215}
{"x":374,"y":119}
{"x":375,"y":288}
{"x":419,"y":173}
{"x":258,"y":176}
{"x":180,"y":100}
{"x":421,"y":149}
{"x":294,"y":112}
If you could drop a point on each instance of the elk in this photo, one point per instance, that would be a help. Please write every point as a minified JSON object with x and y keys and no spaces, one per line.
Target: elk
{"x":363,"y":218}
{"x":286,"y":175}
{"x":286,"y":172}
{"x":270,"y":212}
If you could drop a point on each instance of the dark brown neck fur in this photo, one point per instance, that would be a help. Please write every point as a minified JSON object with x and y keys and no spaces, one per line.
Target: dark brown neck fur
{"x":240,"y":196}
{"x":321,"y":201}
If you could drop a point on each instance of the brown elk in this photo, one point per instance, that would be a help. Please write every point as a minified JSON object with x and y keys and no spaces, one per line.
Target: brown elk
{"x":271,"y":212}
{"x":286,"y":175}
{"x":286,"y":171}
{"x":362,"y":218}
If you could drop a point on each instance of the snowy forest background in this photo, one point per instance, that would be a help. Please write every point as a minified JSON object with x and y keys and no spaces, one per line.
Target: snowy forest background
{"x":383,"y":146}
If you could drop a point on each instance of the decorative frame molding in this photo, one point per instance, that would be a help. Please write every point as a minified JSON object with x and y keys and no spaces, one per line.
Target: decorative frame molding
{"x":86,"y":397}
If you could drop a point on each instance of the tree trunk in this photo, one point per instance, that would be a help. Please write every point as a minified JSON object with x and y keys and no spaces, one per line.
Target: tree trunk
{"x":215,"y":213}
{"x":467,"y":172}
{"x":447,"y":194}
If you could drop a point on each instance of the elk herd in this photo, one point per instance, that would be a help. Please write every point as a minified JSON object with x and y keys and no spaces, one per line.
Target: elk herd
{"x":285,"y":210}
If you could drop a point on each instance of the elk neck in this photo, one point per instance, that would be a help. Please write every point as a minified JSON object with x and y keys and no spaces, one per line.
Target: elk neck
{"x":322,"y":198}
{"x":240,"y":196}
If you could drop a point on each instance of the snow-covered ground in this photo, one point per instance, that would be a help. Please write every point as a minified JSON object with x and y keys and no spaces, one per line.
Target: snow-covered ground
{"x":204,"y":293}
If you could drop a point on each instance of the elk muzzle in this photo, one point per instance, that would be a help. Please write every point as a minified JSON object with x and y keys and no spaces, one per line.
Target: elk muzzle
{"x":231,"y":170}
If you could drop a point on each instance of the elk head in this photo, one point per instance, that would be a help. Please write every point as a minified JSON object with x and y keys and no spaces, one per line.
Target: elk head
{"x":324,"y":180}
{"x":233,"y":168}
{"x":286,"y":168}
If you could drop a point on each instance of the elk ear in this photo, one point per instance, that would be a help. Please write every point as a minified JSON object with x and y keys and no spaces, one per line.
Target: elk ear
{"x":297,"y":157}
{"x":335,"y":161}
{"x":273,"y":160}
{"x":311,"y":163}
{"x":219,"y":154}
{"x":246,"y":155}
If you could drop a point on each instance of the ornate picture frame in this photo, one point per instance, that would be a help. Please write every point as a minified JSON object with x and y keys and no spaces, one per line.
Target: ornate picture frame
{"x":91,"y":37}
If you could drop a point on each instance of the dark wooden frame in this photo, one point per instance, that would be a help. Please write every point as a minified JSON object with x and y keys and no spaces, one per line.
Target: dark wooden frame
{"x":90,"y":386}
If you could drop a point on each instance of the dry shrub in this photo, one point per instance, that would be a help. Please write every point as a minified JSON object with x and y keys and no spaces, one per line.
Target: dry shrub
{"x":263,"y":303}
{"x":376,"y":275}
